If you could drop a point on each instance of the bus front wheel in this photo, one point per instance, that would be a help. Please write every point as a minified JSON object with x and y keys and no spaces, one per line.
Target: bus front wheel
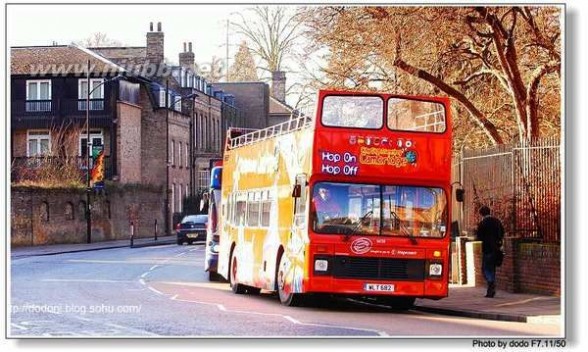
{"x":286,"y":298}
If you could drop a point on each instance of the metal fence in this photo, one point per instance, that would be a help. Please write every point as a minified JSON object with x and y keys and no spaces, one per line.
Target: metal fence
{"x":520,"y":183}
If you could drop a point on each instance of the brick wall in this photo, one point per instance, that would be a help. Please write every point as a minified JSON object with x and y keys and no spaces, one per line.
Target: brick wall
{"x":538,"y":268}
{"x":527,"y":267}
{"x":19,"y":143}
{"x":51,"y":216}
{"x":153,"y":152}
{"x":129,"y":143}
{"x":252,"y":98}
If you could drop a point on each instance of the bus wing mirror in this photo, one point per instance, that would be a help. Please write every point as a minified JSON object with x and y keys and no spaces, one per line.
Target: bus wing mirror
{"x":296,"y":191}
{"x":459,"y":195}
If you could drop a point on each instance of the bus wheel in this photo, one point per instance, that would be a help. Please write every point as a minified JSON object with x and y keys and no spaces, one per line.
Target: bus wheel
{"x":287,"y":298}
{"x":235,"y":286}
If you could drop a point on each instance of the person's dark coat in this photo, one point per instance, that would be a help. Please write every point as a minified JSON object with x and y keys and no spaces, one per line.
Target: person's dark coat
{"x":490,"y":232}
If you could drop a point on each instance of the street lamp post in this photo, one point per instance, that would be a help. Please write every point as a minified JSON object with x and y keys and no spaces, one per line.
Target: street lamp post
{"x":88,"y":151}
{"x":168,"y":191}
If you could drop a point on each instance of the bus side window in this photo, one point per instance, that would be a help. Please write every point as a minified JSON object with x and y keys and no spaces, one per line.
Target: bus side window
{"x":300,"y":210}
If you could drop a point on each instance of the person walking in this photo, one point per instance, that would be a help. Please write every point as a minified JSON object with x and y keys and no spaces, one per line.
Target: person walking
{"x":491,"y":232}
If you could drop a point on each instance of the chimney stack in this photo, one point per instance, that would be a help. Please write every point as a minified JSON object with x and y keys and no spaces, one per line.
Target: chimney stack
{"x":187,"y":57}
{"x":155,"y":52}
{"x":278,"y":90}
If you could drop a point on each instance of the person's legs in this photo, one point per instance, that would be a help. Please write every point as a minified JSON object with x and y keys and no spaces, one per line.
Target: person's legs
{"x":489,"y":270}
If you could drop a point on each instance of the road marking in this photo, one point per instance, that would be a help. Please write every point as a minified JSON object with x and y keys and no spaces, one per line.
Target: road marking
{"x":86,"y":280}
{"x":142,"y":282}
{"x":145,"y":274}
{"x":154,"y":290}
{"x":18,"y":326}
{"x":287,"y":317}
{"x":153,"y":267}
{"x":297,"y":322}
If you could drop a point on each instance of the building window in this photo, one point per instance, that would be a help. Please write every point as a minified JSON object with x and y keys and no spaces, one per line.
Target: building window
{"x":162,"y":98}
{"x":38,"y":95}
{"x":172,"y":198}
{"x":187,"y":156}
{"x":179,"y":198}
{"x":69,"y":211}
{"x":38,"y":143}
{"x":180,"y":154}
{"x":187,"y":191}
{"x":96,"y":138}
{"x":96,"y":95}
{"x":178,"y":104}
{"x":172,"y":151}
{"x":44,"y":212}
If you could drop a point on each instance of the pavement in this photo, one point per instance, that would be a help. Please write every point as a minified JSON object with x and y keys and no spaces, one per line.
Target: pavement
{"x":463,"y":300}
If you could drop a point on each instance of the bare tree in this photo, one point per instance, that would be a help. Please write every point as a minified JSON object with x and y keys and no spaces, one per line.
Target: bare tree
{"x":98,"y":39}
{"x":272,"y":32}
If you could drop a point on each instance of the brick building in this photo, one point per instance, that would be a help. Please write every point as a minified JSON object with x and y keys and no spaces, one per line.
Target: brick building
{"x":150,"y":138}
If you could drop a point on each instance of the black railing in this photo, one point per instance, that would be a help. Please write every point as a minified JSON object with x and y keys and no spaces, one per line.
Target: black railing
{"x":54,"y":168}
{"x":38,"y":106}
{"x":95,"y":104}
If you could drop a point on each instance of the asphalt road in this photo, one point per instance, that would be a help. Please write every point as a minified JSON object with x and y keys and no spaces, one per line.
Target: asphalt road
{"x":163,"y":291}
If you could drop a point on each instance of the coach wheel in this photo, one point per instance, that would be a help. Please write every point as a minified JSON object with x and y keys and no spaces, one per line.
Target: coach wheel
{"x":287,"y":298}
{"x":235,"y":286}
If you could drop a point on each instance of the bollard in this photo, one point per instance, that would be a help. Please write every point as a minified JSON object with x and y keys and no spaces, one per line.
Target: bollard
{"x":156,"y":229}
{"x":132,"y":233}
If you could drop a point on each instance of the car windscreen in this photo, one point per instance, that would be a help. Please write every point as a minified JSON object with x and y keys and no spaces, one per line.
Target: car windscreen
{"x":199,"y":219}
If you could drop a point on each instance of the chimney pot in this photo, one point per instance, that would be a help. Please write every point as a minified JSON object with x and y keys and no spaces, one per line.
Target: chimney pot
{"x":190,"y":47}
{"x":184,"y":46}
{"x":159,"y":26}
{"x":150,"y":26}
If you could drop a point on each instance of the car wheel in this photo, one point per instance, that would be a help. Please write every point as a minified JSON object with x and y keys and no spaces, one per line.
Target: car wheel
{"x":180,"y":242}
{"x":235,"y":286}
{"x":286,"y":298}
{"x":190,"y":242}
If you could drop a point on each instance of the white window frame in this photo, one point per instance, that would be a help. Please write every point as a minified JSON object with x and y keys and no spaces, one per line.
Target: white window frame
{"x":38,"y":82}
{"x":38,"y":135}
{"x":179,"y":197}
{"x":173,"y":203}
{"x":162,"y":98}
{"x":98,"y":133}
{"x":179,"y":154}
{"x":187,"y":157}
{"x":99,"y":90}
{"x":187,"y":190}
{"x":172,"y":152}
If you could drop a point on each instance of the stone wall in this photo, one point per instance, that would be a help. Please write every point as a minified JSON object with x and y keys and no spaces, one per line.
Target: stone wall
{"x":53,"y":216}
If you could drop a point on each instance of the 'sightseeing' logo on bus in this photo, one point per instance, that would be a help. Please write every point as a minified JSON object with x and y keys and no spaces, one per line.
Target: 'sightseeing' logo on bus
{"x":361,"y":245}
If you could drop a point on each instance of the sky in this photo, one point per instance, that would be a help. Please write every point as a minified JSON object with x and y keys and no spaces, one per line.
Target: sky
{"x":204,"y":25}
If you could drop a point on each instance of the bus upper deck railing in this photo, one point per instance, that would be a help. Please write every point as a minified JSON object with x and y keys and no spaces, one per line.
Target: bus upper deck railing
{"x":258,"y":135}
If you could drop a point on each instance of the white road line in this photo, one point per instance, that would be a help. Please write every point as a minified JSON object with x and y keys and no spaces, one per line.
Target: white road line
{"x":154,"y":267}
{"x":18,"y":326}
{"x":145,"y":274}
{"x":297,"y":322}
{"x":156,"y":291}
{"x":142,"y":282}
{"x":287,"y":317}
{"x":86,"y":280}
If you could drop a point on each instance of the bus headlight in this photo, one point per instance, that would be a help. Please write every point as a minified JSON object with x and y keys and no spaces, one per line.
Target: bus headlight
{"x":321,"y":265}
{"x":435,"y":269}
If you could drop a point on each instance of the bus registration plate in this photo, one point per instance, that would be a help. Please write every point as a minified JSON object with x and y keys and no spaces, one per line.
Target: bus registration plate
{"x":378,"y":287}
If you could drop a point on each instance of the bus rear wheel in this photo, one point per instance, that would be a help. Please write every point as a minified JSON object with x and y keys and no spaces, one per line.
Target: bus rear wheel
{"x":286,"y":298}
{"x":235,"y":286}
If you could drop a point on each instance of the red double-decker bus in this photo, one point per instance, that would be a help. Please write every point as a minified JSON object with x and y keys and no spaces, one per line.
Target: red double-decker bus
{"x":352,"y":202}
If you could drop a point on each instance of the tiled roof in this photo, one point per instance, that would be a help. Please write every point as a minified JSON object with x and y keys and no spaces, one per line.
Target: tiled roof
{"x":279,"y":107}
{"x":58,"y":61}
